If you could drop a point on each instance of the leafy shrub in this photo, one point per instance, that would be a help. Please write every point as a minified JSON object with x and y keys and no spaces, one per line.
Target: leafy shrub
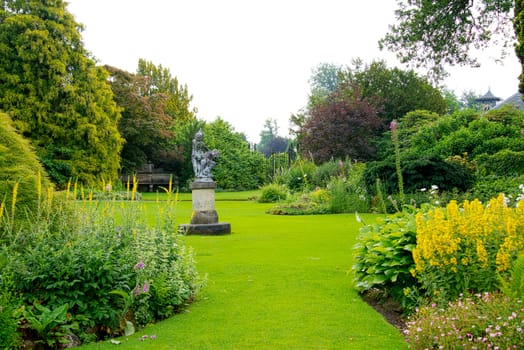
{"x":299,"y":176}
{"x":326,"y":171}
{"x":316,"y":202}
{"x":272,"y":193}
{"x":383,"y":256}
{"x":463,"y":248}
{"x":348,"y":192}
{"x":418,"y":172}
{"x":9,"y":337}
{"x":80,"y":257}
{"x":513,"y":287}
{"x":482,"y":321}
{"x":491,"y":186}
{"x":503,"y":163}
{"x":238,"y":167}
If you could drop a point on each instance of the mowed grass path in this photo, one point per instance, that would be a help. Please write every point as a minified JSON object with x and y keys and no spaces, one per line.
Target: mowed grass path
{"x":277,"y":282}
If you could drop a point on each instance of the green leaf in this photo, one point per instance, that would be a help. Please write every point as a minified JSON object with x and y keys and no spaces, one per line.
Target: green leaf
{"x":130,"y":328}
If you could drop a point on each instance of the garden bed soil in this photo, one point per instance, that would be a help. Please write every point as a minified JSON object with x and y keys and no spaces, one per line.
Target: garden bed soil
{"x":387,"y":307}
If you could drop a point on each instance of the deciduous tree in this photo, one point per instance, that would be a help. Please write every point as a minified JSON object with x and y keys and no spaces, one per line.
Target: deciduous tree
{"x":434,"y":34}
{"x":344,"y":125}
{"x":238,"y":167}
{"x":270,"y":141}
{"x":145,"y":125}
{"x":396,"y":91}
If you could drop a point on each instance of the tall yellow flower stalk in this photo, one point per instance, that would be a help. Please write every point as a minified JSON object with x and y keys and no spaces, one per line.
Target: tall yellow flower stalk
{"x":13,"y":201}
{"x":472,"y":240}
{"x":135,"y":188}
{"x":2,"y":208}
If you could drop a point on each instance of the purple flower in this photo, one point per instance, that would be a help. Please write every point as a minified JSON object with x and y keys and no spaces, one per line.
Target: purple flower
{"x":153,"y":336}
{"x":145,"y":288}
{"x":139,"y":265}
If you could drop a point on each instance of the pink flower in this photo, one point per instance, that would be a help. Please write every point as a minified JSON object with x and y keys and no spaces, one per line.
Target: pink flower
{"x":393,"y":125}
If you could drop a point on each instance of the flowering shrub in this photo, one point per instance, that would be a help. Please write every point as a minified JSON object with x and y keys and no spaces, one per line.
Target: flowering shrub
{"x":483,"y":321}
{"x":79,"y":253}
{"x":465,"y":248}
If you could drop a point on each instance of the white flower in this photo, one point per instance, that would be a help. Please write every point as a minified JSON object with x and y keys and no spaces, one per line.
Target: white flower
{"x":434,"y":187}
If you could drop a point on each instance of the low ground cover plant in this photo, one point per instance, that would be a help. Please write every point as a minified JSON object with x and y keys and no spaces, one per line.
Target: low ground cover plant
{"x":480,"y":321}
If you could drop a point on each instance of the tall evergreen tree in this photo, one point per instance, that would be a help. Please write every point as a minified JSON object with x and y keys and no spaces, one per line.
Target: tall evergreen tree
{"x":55,"y":94}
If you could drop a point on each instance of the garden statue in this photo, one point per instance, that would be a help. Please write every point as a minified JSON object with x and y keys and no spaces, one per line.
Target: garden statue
{"x":204,"y":217}
{"x":202,"y":158}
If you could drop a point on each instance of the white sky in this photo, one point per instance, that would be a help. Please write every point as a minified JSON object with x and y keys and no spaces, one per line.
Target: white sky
{"x":250,"y":60}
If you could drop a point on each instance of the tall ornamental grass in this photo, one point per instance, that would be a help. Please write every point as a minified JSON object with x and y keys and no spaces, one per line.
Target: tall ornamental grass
{"x":86,"y":270}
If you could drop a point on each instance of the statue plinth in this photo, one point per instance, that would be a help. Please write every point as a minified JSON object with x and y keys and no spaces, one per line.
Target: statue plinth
{"x":204,"y":219}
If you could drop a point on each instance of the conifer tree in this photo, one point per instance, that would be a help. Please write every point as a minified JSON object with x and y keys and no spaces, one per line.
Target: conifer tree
{"x":55,"y":94}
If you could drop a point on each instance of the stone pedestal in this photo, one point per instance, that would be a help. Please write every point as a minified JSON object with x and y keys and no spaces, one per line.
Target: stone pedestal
{"x":204,"y":218}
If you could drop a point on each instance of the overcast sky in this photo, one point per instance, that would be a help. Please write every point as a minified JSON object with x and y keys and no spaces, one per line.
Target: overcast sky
{"x":247,"y":61}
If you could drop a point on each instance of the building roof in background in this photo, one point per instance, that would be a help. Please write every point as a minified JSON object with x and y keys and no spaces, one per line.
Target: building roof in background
{"x":515,"y":100}
{"x":488,"y":97}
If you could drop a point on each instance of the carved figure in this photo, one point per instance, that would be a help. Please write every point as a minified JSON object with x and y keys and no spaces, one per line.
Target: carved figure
{"x":202,"y":158}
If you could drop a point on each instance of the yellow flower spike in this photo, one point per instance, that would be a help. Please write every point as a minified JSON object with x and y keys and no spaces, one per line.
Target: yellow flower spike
{"x":2,"y":207}
{"x":75,"y":190}
{"x":68,"y":189}
{"x":13,"y":200}
{"x":502,"y":260}
{"x":49,"y":197}
{"x":135,"y":187}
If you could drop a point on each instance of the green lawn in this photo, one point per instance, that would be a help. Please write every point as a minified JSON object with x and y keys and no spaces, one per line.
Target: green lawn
{"x":277,"y":282}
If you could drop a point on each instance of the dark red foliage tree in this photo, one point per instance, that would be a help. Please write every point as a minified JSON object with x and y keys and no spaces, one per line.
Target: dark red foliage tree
{"x":344,"y":125}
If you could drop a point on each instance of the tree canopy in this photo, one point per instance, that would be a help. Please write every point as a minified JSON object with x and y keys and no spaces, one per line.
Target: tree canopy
{"x":153,"y":104}
{"x":393,"y":91}
{"x":238,"y":167}
{"x":270,"y":141}
{"x":396,"y":91}
{"x":55,"y":94}
{"x":343,"y":125}
{"x":434,"y":34}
